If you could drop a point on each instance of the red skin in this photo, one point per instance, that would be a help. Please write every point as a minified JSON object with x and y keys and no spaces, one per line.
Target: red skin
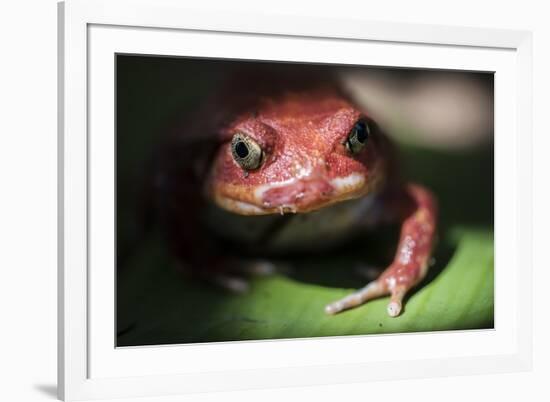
{"x":302,"y":126}
{"x":415,"y":246}
{"x":297,"y":129}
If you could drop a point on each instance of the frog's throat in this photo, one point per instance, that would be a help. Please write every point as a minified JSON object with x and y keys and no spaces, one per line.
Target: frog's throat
{"x":292,"y":196}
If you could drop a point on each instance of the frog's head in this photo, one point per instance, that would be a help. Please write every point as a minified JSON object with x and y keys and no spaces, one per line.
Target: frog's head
{"x":298,"y":152}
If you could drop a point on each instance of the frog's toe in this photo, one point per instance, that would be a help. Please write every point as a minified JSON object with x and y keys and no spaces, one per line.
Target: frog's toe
{"x":394,"y":308}
{"x":371,"y":291}
{"x":396,"y":301}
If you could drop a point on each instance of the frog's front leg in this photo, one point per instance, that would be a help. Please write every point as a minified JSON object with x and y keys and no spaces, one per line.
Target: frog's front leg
{"x":417,"y":210}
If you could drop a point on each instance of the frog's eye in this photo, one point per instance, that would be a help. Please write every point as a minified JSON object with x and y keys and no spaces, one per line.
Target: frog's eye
{"x":246,"y":152}
{"x":357,"y":137}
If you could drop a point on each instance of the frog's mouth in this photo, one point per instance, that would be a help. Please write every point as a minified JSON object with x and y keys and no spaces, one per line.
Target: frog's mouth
{"x":292,"y":196}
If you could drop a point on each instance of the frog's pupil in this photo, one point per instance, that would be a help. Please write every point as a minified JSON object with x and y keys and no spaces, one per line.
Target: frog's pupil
{"x":361,"y":132}
{"x":241,"y":149}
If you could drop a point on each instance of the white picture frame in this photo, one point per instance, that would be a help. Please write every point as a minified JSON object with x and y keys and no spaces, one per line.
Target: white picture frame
{"x":91,"y":32}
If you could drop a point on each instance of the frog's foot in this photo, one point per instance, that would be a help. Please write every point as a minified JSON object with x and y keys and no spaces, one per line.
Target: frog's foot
{"x":410,"y":262}
{"x":372,"y":291}
{"x":229,"y":274}
{"x":230,"y":283}
{"x":235,"y":275}
{"x":395,"y":281}
{"x":369,"y":292}
{"x":214,"y":275}
{"x":256,"y":267}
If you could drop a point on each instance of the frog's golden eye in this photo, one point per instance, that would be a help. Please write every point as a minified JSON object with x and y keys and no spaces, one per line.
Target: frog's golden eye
{"x":246,"y":152}
{"x":357,"y":137}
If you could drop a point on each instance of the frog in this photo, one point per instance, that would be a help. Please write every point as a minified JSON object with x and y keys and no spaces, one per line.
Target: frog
{"x":277,"y":161}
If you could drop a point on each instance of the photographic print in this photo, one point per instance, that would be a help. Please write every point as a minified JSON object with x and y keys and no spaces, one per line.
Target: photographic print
{"x":262,"y":200}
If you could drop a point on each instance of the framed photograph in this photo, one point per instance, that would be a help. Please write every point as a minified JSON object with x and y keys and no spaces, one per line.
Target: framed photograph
{"x":254,"y":201}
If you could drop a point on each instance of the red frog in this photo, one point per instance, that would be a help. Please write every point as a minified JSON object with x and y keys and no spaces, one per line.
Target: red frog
{"x":280,"y":160}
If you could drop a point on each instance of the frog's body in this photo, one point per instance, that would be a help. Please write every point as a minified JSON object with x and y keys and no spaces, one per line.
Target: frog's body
{"x":327,"y":228}
{"x":282,"y":163}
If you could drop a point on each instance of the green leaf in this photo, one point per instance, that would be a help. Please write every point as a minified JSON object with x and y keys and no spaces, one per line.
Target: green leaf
{"x":158,"y":305}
